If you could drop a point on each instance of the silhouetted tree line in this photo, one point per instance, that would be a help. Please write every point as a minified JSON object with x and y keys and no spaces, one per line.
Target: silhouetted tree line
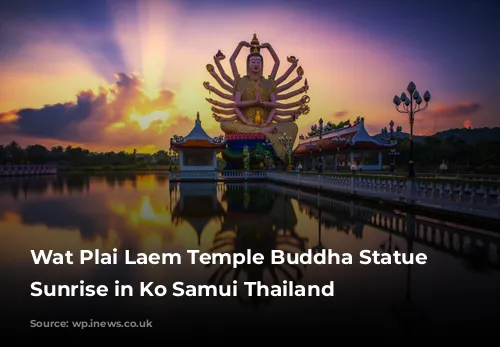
{"x":429,"y":153}
{"x":76,"y":156}
{"x":479,"y":156}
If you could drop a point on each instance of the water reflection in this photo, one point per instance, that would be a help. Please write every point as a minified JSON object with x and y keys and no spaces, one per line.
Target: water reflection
{"x":196,"y":204}
{"x":258,"y":220}
{"x":144,"y":213}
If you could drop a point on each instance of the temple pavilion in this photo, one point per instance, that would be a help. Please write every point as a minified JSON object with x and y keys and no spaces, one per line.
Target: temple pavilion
{"x":339,"y":146}
{"x":197,"y":150}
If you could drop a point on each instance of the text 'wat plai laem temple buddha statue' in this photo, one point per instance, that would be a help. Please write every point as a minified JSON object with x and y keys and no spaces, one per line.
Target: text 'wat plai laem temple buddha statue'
{"x":255,"y":112}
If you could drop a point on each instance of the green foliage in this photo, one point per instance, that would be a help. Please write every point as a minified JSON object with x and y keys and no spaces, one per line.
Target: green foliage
{"x":330,"y":126}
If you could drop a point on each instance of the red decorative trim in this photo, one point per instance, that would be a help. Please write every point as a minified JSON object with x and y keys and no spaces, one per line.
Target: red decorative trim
{"x":245,"y":136}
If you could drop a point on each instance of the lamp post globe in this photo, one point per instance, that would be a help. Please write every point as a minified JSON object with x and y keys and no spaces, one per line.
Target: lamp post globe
{"x":410,"y":106}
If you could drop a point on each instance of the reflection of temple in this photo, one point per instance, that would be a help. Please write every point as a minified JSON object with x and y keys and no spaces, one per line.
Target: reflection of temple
{"x":259,"y":220}
{"x":196,"y":203}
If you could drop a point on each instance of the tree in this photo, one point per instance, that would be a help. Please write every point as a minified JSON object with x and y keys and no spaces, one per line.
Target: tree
{"x":36,"y":154}
{"x":15,"y":153}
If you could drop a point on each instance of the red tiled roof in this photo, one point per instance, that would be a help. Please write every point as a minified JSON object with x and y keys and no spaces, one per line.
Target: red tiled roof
{"x":354,"y":137}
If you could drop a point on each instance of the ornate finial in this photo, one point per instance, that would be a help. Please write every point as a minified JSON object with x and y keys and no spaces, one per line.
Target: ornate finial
{"x":198,"y":121}
{"x":255,"y":44}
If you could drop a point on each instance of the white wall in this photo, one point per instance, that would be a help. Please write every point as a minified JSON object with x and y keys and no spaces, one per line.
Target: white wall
{"x":212,"y":166}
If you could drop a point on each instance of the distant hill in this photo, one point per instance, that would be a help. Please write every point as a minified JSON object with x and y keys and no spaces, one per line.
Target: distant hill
{"x":465,"y":134}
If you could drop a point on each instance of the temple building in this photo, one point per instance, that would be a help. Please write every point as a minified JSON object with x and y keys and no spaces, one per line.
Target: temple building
{"x":340,"y":146}
{"x":197,"y":151}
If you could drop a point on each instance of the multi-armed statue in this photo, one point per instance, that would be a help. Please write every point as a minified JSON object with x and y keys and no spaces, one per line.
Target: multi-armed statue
{"x":255,"y":103}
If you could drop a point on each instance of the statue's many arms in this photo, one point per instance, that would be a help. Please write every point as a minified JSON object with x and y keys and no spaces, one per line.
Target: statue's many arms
{"x":255,"y":104}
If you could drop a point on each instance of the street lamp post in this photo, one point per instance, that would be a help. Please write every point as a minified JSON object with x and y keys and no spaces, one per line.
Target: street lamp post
{"x":411,"y":105}
{"x":393,"y":153}
{"x":320,"y":158}
{"x":338,"y":140}
{"x":311,"y":145}
{"x":172,"y":155}
{"x":287,"y":142}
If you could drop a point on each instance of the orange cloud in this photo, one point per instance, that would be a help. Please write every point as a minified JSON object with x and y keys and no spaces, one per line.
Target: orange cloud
{"x":117,"y":117}
{"x":440,"y":117}
{"x":9,"y":117}
{"x":462,"y":109}
{"x":169,"y":50}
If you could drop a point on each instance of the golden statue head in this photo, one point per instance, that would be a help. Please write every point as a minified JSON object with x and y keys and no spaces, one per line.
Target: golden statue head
{"x":255,"y":44}
{"x":255,"y":61}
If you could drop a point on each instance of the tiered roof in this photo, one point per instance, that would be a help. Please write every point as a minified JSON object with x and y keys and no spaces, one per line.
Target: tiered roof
{"x":197,"y":138}
{"x":351,"y":137}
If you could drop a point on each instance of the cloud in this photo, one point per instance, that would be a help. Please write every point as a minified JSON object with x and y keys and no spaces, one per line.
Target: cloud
{"x":442,"y":117}
{"x":121,"y":115}
{"x":463,"y":109}
{"x":340,"y":114}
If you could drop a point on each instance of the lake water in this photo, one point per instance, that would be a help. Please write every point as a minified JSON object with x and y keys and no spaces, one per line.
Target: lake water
{"x":457,"y":288}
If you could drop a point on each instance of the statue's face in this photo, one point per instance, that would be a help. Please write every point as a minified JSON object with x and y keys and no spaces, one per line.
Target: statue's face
{"x":255,"y":64}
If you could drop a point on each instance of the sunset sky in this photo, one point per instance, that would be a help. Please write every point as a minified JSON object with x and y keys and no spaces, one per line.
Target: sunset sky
{"x":113,"y":75}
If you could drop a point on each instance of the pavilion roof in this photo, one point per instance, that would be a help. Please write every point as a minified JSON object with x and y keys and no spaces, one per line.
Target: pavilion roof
{"x":197,"y":138}
{"x":352,"y":137}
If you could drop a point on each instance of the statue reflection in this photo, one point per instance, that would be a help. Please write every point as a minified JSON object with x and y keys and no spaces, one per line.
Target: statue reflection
{"x":195,"y":203}
{"x":259,"y":220}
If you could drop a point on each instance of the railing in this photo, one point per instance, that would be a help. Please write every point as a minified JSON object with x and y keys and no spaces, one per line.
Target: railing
{"x":448,"y":238}
{"x":27,"y":170}
{"x":217,"y":175}
{"x":473,"y":197}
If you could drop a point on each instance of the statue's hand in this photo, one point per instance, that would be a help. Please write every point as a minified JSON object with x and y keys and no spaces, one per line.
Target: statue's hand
{"x":206,"y":85}
{"x":218,"y":118}
{"x":219,"y":56}
{"x":300,"y":71}
{"x":292,"y":60}
{"x":305,"y":99}
{"x":210,"y":69}
{"x":212,"y":101}
{"x":258,"y":101}
{"x":304,"y":88}
{"x":244,"y":44}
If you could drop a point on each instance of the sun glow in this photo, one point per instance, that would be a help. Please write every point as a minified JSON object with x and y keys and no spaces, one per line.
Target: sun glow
{"x":144,"y":213}
{"x":145,"y":121}
{"x":144,"y":32}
